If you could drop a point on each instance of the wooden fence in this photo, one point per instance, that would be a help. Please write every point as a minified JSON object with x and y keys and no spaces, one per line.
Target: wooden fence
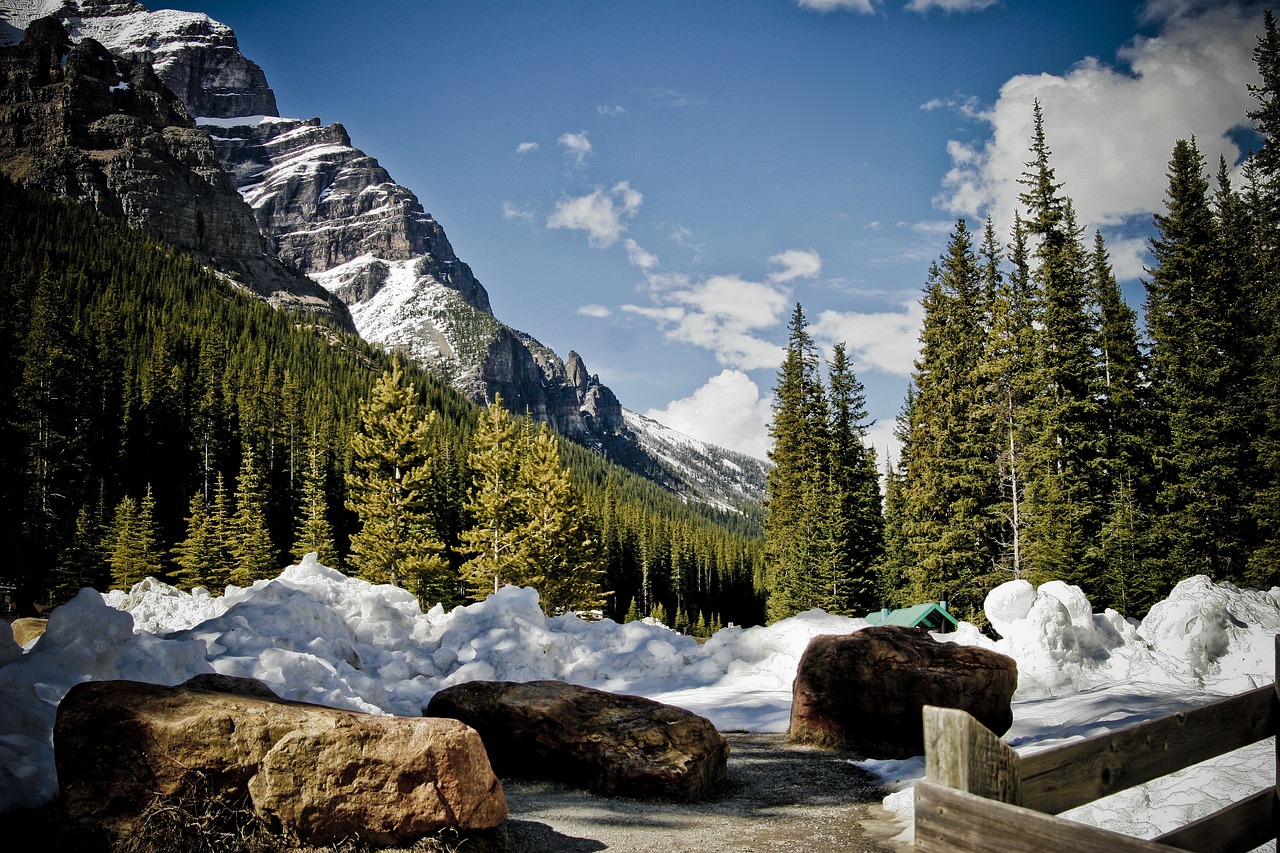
{"x":979,"y":795}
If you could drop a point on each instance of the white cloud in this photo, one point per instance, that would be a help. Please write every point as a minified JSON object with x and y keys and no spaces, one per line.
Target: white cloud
{"x":865,"y":6}
{"x":950,"y":6}
{"x":887,"y":341}
{"x":638,"y":256}
{"x":513,"y":211}
{"x":1111,"y":131}
{"x":615,"y":110}
{"x":576,"y":144}
{"x":796,"y":263}
{"x":723,"y":314}
{"x":526,"y":147}
{"x":727,"y":411}
{"x":599,"y":311}
{"x":602,"y":214}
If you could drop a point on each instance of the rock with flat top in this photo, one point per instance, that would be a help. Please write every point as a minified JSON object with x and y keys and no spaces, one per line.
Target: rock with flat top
{"x":612,"y":745}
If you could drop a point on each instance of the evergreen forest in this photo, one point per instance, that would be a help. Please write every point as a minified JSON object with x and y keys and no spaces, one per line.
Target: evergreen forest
{"x":158,"y":421}
{"x":1047,"y":433}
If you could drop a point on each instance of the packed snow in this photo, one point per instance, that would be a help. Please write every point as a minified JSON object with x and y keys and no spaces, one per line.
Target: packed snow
{"x":316,"y":635}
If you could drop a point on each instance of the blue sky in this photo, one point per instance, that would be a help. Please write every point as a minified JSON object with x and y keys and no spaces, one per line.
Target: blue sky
{"x":655,"y":184}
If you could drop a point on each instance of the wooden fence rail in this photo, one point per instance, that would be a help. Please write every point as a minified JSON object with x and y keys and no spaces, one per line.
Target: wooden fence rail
{"x":979,"y":795}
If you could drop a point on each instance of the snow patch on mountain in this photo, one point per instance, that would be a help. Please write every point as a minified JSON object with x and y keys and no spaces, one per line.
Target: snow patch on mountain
{"x":718,"y":476}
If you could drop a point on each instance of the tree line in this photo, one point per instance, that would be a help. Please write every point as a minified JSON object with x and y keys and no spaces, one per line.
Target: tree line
{"x":1044,"y":434}
{"x":160,"y":421}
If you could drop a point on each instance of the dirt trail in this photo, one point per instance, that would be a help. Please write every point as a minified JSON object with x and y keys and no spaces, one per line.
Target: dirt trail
{"x":781,"y":797}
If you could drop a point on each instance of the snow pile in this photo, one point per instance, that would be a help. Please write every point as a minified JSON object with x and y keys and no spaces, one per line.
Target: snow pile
{"x":313,"y":634}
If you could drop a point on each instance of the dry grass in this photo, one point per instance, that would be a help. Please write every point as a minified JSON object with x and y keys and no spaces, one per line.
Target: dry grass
{"x":198,"y":824}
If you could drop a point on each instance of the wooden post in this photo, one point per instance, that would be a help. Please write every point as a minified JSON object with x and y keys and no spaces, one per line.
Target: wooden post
{"x":962,"y":753}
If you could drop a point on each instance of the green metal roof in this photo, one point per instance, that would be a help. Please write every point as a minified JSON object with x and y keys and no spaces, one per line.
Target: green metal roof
{"x":932,"y":614}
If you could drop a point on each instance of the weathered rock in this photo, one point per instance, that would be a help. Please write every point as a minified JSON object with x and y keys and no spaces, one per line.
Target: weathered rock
{"x":80,"y":123}
{"x":866,"y":690}
{"x":316,"y":774}
{"x":27,"y":629}
{"x":609,"y":744}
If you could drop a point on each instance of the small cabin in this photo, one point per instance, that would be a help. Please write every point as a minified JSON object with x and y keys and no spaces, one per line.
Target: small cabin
{"x":933,"y":615}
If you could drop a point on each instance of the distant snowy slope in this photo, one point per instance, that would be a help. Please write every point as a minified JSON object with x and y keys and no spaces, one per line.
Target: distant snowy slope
{"x":718,"y":476}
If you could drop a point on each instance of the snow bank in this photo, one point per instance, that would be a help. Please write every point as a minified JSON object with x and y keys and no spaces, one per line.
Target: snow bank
{"x":313,"y":634}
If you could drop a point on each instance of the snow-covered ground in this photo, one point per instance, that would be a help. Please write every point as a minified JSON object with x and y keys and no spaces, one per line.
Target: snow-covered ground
{"x":315,"y":635}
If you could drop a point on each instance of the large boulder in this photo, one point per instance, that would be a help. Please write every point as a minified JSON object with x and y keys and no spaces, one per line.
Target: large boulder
{"x":609,"y":744}
{"x":27,"y":629}
{"x":315,"y":774}
{"x":866,"y":690}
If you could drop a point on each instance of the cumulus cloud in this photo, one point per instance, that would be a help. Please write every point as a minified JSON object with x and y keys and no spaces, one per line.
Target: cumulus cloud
{"x":602,"y":214}
{"x":598,"y":311}
{"x":727,"y":411}
{"x":1111,"y":129}
{"x":887,"y":341}
{"x":526,"y":147}
{"x":950,"y":6}
{"x":796,"y":263}
{"x":576,"y":144}
{"x":723,"y":314}
{"x":865,"y":6}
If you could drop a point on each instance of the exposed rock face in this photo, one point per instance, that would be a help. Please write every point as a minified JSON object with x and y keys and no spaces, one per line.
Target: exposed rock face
{"x":81,"y":123}
{"x":613,"y":745}
{"x":866,"y":690}
{"x":197,"y":58}
{"x":319,"y":775}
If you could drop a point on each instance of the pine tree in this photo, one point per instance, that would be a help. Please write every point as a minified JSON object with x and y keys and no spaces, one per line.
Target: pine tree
{"x":560,"y":551}
{"x":1200,"y":390}
{"x":222,"y":536}
{"x":312,"y":531}
{"x":81,"y":563}
{"x":797,"y":482}
{"x":396,"y":543}
{"x":1123,"y":470}
{"x":855,"y":520}
{"x":131,"y":546}
{"x":496,"y":505}
{"x":1063,"y":509}
{"x":950,"y":483}
{"x":197,"y":556}
{"x":251,"y":549}
{"x":1008,"y":374}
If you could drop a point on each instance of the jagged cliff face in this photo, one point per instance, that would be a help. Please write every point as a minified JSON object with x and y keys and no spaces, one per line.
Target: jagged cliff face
{"x":82,"y":123}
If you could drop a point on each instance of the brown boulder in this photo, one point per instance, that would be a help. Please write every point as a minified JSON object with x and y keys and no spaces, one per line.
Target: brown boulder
{"x":609,"y":744}
{"x":866,"y":690}
{"x":27,"y":629}
{"x":316,"y":774}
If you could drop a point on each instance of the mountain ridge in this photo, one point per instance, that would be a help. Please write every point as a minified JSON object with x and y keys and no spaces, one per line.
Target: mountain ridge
{"x":329,"y":211}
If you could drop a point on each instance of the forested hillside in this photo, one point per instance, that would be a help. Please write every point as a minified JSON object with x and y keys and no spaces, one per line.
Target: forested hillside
{"x":159,"y":421}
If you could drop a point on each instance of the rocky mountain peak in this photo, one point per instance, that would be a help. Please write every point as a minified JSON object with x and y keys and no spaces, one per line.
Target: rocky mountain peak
{"x":88,"y":125}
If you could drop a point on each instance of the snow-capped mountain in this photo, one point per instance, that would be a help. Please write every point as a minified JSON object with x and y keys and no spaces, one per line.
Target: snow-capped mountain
{"x":330,"y":211}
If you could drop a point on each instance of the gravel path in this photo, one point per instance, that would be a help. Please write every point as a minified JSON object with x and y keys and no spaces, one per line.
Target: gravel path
{"x":781,"y":797}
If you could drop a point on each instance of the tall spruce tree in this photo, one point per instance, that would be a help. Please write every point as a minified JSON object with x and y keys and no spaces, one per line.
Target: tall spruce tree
{"x":855,"y":520}
{"x":131,"y":545}
{"x":797,"y":483}
{"x":496,"y":506}
{"x":197,"y":556}
{"x":386,"y":490}
{"x":1199,"y":384}
{"x":1063,"y":512}
{"x":950,"y":481}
